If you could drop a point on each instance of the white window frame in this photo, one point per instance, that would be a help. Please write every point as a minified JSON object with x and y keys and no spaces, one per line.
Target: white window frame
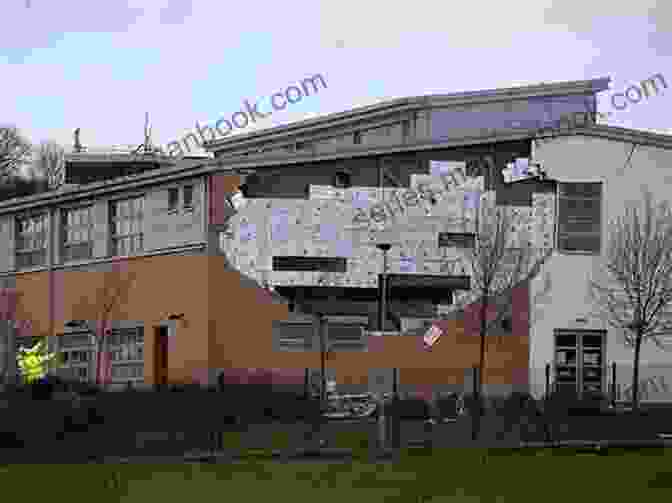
{"x":188,"y":208}
{"x":31,"y":236}
{"x":114,"y":218}
{"x":118,"y":347}
{"x":174,"y":208}
{"x":66,"y":226}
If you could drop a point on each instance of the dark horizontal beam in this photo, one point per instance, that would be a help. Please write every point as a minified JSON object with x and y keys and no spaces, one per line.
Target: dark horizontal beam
{"x":456,"y":239}
{"x":426,"y":281}
{"x":321,"y":264}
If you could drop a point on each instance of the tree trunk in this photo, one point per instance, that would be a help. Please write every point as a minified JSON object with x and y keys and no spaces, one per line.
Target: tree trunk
{"x":635,"y":372}
{"x":478,"y":392}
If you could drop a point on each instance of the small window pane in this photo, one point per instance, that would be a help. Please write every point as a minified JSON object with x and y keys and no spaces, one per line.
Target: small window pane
{"x":173,"y":195}
{"x":188,"y":195}
{"x":565,"y":340}
{"x":592,"y":341}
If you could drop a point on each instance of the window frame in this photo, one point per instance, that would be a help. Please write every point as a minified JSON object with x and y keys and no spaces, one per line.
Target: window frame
{"x":64,"y":227}
{"x":579,"y":347}
{"x":188,"y":207}
{"x":558,"y":217}
{"x":113,"y":218}
{"x":176,"y":191}
{"x":119,"y":344}
{"x":22,"y":251}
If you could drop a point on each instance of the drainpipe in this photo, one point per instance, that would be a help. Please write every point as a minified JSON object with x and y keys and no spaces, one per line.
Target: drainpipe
{"x":52,"y":293}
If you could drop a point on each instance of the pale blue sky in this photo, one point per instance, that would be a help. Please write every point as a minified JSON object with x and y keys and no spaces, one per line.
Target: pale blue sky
{"x":99,"y":65}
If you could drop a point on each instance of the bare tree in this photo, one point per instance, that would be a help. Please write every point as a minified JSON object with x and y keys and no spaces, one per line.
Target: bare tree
{"x":15,"y":152}
{"x":103,"y":306}
{"x":499,"y":263}
{"x":50,"y":163}
{"x":632,"y":290}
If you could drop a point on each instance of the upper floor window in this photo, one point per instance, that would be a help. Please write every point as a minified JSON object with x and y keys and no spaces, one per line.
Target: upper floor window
{"x":580,"y":217}
{"x":357,"y":137}
{"x":126,"y":223}
{"x":31,"y":240}
{"x":77,"y":228}
{"x":406,"y":129}
{"x":173,"y":199}
{"x":188,"y":197}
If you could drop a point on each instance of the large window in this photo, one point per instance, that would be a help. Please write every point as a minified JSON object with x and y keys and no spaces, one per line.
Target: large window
{"x":31,"y":240}
{"x":127,"y":354}
{"x":77,"y":351}
{"x":579,"y":217}
{"x":579,"y":360}
{"x":77,"y":234}
{"x":126,"y":221}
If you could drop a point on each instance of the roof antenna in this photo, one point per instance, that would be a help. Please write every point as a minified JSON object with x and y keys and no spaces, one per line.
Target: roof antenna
{"x":146,"y":146}
{"x":77,"y":146}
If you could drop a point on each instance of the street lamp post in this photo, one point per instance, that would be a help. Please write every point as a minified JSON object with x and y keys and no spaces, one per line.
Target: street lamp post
{"x":382,"y":315}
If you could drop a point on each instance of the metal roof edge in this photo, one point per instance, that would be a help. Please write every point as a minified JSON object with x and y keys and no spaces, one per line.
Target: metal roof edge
{"x":410,"y":103}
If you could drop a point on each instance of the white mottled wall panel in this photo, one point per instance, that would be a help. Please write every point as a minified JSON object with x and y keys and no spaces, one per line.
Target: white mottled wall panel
{"x":323,"y":226}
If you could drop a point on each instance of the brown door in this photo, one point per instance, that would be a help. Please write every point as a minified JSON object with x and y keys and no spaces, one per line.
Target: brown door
{"x":161,"y":355}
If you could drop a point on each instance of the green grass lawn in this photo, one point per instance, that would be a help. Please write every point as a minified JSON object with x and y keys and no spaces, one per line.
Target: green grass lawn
{"x":439,"y":476}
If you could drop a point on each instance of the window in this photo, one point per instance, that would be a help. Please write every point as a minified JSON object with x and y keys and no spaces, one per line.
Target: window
{"x":342,"y":180}
{"x":579,"y":217}
{"x":127,"y":353}
{"x":292,"y":336}
{"x":77,"y":352}
{"x":173,"y":199}
{"x":406,"y":129}
{"x":77,"y":238}
{"x":357,"y":137}
{"x":300,"y":145}
{"x":579,"y":360}
{"x":188,"y":193}
{"x":31,"y":241}
{"x":126,"y":222}
{"x":346,"y":336}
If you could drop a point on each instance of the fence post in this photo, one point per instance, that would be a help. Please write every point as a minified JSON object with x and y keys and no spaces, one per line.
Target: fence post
{"x":613,"y":384}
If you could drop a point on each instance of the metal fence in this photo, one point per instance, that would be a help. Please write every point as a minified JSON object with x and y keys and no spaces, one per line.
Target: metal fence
{"x":615,"y":382}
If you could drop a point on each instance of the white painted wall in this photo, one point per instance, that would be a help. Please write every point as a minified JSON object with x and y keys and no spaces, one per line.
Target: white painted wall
{"x":585,"y":159}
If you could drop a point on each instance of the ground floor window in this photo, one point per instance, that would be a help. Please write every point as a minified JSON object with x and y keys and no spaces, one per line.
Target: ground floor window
{"x":127,"y":354}
{"x":579,"y":360}
{"x":77,"y":352}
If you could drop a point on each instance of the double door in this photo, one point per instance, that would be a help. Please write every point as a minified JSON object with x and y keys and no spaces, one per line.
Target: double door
{"x":579,"y":361}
